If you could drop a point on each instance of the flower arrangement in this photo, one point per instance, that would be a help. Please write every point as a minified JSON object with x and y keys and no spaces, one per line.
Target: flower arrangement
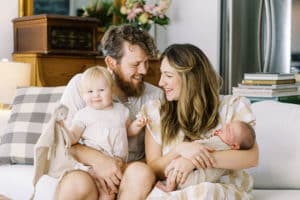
{"x":143,"y":15}
{"x":100,"y":9}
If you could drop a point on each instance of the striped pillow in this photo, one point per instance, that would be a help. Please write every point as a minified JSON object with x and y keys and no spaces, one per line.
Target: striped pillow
{"x":31,"y":110}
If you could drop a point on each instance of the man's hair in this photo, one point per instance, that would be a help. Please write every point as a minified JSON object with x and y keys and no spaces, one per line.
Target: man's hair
{"x":197,"y":109}
{"x":92,"y":76}
{"x":248,"y":135}
{"x":114,"y":38}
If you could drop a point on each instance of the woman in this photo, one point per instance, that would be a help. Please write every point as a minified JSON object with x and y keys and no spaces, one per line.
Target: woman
{"x":193,"y":110}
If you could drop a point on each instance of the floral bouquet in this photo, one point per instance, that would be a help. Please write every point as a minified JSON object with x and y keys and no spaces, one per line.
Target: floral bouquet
{"x":143,"y":15}
{"x":100,"y":9}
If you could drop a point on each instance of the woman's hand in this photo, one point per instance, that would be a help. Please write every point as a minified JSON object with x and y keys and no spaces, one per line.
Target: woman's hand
{"x":178,"y":170}
{"x":199,"y":154}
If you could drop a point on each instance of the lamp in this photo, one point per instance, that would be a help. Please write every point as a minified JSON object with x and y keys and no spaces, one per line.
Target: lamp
{"x":12,"y":75}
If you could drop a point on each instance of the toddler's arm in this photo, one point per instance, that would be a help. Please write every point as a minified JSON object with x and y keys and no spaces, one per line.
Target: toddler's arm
{"x":74,"y":133}
{"x":135,"y":127}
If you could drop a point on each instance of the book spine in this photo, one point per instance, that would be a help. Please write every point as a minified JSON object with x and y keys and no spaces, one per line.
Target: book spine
{"x":268,"y":82}
{"x":267,"y":77}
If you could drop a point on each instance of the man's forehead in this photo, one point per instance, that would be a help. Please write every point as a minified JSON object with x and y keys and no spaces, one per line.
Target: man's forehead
{"x":127,"y":47}
{"x":134,"y":53}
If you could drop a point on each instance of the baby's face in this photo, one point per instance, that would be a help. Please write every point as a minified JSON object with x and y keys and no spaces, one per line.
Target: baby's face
{"x":230,"y":133}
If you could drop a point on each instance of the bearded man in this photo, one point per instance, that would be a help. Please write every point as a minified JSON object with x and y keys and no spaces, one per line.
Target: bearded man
{"x":127,"y":50}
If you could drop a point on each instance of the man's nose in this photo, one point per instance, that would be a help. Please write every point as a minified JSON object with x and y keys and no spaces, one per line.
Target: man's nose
{"x":142,"y":69}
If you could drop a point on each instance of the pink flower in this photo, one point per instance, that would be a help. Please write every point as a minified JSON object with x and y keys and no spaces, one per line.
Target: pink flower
{"x":149,"y":8}
{"x":131,"y":16}
{"x":137,"y":10}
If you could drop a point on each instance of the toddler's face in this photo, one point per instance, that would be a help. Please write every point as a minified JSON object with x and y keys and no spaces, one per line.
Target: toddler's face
{"x":98,"y":95}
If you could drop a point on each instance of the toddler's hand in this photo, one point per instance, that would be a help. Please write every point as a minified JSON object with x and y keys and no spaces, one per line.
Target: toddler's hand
{"x":142,"y":121}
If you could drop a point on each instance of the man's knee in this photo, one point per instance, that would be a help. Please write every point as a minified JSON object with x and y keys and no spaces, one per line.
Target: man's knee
{"x":140,"y":171}
{"x":76,"y":185}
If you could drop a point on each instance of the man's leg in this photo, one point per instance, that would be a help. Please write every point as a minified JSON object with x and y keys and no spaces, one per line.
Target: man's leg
{"x":77,"y":185}
{"x":137,"y":182}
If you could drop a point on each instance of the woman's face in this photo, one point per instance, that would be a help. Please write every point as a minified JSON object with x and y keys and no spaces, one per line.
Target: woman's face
{"x":170,"y":81}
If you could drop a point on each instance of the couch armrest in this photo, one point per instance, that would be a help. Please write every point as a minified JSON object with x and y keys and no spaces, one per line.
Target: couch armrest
{"x":277,"y":133}
{"x":4,"y":115}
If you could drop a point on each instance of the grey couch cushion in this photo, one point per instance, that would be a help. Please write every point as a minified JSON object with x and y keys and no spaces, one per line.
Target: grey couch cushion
{"x":31,"y":110}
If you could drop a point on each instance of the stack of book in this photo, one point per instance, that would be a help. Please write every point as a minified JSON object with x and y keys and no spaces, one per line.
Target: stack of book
{"x":262,"y":86}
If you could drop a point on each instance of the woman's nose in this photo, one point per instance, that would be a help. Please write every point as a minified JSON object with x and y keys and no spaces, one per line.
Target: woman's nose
{"x":161,"y":82}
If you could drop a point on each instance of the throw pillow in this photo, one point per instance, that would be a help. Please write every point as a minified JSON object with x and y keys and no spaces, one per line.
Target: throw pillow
{"x":31,"y":110}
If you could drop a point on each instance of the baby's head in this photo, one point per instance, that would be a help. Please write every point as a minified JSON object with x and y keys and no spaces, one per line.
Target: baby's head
{"x":97,"y":87}
{"x":237,"y":134}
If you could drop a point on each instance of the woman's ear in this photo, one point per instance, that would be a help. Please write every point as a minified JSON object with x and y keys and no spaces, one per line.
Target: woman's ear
{"x":110,"y":62}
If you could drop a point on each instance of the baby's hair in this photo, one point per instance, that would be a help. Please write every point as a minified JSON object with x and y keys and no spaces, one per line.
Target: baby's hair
{"x":248,"y":134}
{"x":93,"y":74}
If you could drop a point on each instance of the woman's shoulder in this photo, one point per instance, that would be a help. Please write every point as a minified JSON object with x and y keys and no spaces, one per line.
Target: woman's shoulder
{"x":233,"y":99}
{"x":236,"y":108}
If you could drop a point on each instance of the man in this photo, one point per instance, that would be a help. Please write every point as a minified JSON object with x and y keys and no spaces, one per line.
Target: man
{"x":127,"y":50}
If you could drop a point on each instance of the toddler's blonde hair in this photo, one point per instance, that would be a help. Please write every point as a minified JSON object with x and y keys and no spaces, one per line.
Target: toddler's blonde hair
{"x":91,"y":75}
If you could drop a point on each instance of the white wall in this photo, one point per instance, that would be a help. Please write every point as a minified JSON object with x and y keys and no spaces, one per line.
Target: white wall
{"x":192,"y":21}
{"x":196,"y":22}
{"x":9,"y":11}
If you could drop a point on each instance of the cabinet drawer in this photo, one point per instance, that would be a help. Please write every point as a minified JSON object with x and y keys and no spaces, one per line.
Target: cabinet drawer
{"x":58,"y":71}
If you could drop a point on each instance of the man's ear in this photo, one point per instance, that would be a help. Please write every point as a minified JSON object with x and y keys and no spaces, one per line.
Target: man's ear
{"x":234,"y":146}
{"x":110,"y":62}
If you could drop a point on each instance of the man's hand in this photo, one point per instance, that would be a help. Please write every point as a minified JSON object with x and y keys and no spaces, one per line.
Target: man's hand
{"x":104,"y":167}
{"x":108,"y":173}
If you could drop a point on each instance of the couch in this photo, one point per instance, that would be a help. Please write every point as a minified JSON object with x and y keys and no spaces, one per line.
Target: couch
{"x":276,"y":176}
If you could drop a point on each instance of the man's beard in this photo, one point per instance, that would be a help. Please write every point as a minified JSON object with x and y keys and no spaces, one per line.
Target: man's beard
{"x":130,"y":89}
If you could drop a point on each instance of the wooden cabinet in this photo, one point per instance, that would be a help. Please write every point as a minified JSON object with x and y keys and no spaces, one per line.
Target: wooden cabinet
{"x":58,"y":34}
{"x":57,"y":70}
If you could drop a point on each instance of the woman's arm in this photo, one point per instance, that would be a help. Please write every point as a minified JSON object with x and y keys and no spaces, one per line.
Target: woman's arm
{"x":154,"y":156}
{"x":237,"y":159}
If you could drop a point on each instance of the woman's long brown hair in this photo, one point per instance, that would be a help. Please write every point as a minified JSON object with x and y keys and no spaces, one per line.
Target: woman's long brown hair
{"x":197,"y":109}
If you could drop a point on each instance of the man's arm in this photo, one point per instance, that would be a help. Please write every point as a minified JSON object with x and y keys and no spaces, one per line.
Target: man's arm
{"x":105,"y":167}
